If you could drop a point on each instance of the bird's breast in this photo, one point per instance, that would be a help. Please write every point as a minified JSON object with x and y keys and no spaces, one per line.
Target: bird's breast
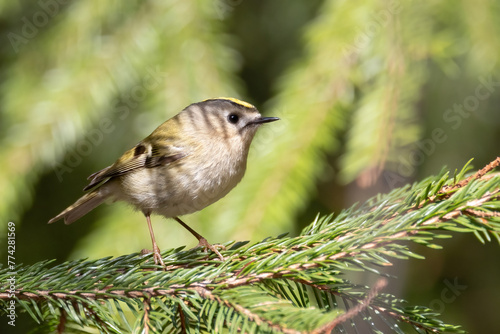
{"x":185,"y":186}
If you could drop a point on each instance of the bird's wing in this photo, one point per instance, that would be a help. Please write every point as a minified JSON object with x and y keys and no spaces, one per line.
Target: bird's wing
{"x":143,"y":155}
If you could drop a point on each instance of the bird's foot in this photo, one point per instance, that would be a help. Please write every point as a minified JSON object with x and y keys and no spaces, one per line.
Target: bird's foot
{"x":206,"y":245}
{"x":156,"y":255}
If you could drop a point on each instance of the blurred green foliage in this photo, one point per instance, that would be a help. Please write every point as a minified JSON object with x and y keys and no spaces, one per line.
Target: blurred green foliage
{"x":372,"y":94}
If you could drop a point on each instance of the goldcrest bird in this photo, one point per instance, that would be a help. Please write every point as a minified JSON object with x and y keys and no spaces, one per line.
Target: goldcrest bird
{"x":189,"y":162}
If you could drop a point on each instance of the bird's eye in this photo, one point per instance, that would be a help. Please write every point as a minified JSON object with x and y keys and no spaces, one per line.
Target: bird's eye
{"x":233,"y":118}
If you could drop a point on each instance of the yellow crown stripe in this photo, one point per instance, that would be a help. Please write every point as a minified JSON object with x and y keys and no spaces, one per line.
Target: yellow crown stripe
{"x":232,"y":99}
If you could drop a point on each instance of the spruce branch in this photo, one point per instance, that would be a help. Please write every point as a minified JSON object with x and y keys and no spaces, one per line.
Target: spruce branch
{"x":379,"y":285}
{"x":182,"y":320}
{"x":62,"y":322}
{"x":282,"y":284}
{"x":476,"y":176}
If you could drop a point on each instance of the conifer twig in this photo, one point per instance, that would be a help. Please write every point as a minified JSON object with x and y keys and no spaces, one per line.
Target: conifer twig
{"x":205,"y":293}
{"x":476,"y":176}
{"x":351,"y":313}
{"x":182,"y":319}
{"x":147,"y":307}
{"x":257,"y":281}
{"x":62,"y":322}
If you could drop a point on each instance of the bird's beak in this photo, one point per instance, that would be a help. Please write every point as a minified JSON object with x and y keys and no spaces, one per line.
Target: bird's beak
{"x":262,"y":120}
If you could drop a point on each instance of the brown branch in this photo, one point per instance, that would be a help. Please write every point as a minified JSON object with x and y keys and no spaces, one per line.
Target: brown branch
{"x":451,"y":215}
{"x":381,"y":309}
{"x":405,"y":319}
{"x":481,"y":214}
{"x":481,"y":174}
{"x":363,"y":305}
{"x":147,"y":307}
{"x":94,"y":294}
{"x":446,"y":191}
{"x":235,"y":279}
{"x":183,"y":319}
{"x":381,"y":241}
{"x":476,"y":176}
{"x":89,"y":312}
{"x":62,"y":322}
{"x":207,"y":294}
{"x":458,"y":211}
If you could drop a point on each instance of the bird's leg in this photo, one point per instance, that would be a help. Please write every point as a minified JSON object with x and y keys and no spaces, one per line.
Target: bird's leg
{"x":201,"y":240}
{"x":156,"y":250}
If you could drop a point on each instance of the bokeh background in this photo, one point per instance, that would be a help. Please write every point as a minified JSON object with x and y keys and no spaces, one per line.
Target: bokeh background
{"x":372,"y":95}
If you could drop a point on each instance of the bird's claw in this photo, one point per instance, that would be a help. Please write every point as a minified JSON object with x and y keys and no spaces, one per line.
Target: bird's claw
{"x":156,"y":256}
{"x":206,"y":245}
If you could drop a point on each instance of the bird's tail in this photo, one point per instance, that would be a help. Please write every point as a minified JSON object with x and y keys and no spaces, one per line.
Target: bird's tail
{"x":81,"y":207}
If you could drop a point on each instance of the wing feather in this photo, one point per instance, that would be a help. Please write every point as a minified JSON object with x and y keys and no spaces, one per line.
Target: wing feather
{"x":143,"y":155}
